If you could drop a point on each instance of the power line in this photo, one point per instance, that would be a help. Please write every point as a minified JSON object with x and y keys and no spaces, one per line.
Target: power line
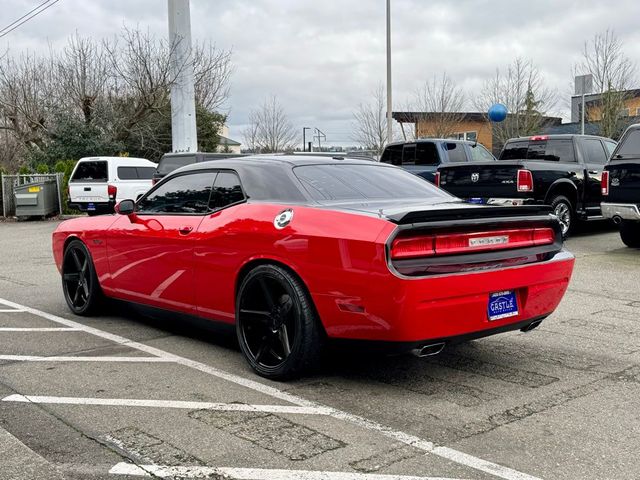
{"x":29,"y":15}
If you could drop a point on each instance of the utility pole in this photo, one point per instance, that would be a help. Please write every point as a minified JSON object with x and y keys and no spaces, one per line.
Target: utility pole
{"x":320,"y":135}
{"x":183,"y":105}
{"x":389,"y":104}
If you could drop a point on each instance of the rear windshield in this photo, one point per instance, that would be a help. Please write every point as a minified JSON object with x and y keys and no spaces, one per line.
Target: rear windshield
{"x":135,"y":173}
{"x":553,"y":150}
{"x":363,"y":182}
{"x":169,"y":164}
{"x":91,"y":171}
{"x":630,"y":145}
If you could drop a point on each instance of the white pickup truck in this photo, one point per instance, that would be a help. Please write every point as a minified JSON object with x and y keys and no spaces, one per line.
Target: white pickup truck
{"x":98,"y":183}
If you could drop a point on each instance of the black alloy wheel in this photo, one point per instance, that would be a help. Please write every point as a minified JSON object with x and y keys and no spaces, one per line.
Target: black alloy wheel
{"x":278,"y":329}
{"x":79,"y":280}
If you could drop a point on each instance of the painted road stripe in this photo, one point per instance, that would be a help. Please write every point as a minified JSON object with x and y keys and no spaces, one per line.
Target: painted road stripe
{"x":187,"y":405}
{"x":408,"y":439}
{"x":252,"y":473}
{"x":35,"y":358}
{"x":39,"y":329}
{"x":11,"y":310}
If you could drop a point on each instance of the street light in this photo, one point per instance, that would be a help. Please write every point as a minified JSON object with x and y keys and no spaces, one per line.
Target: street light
{"x":304,"y":138}
{"x":389,"y":113}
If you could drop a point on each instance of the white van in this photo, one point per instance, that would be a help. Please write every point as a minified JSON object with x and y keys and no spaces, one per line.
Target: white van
{"x":98,"y":183}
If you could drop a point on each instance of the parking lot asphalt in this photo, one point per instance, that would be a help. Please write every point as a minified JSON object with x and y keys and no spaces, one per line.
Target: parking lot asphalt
{"x":122,"y":396}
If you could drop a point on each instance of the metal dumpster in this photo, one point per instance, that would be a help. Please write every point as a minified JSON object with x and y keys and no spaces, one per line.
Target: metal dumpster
{"x":37,"y":198}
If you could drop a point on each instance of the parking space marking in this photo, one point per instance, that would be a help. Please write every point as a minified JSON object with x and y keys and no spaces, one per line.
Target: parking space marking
{"x":180,"y":404}
{"x":39,"y":329}
{"x":11,"y":310}
{"x":408,"y":439}
{"x":37,"y":358}
{"x":162,"y":471}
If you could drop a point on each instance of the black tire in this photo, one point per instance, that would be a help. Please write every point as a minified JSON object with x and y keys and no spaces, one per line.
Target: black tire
{"x":563,"y":209}
{"x":630,"y":233}
{"x":80,"y":285}
{"x":278,"y":329}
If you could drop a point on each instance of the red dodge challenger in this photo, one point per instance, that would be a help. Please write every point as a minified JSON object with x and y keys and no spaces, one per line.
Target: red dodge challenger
{"x":295,"y":251}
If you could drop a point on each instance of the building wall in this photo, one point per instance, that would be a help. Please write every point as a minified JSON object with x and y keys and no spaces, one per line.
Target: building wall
{"x":633,"y":104}
{"x":426,"y":128}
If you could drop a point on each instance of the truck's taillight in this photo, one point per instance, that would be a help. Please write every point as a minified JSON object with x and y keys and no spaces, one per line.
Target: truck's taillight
{"x":525,"y":181}
{"x":112,"y":190}
{"x":604,"y":183}
{"x":469,"y":242}
{"x":539,"y":138}
{"x":436,"y":179}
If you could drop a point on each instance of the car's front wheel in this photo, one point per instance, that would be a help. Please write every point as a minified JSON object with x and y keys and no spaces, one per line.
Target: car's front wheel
{"x":79,"y":280}
{"x":630,"y":233}
{"x":278,"y":329}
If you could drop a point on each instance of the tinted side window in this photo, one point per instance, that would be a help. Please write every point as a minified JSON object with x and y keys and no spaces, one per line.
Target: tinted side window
{"x":392,"y":154}
{"x":480,"y":154}
{"x":594,"y":151}
{"x":610,"y":146}
{"x":94,"y":171}
{"x":145,"y":173}
{"x":127,"y":173}
{"x":427,"y":154}
{"x":226,"y":190}
{"x":182,"y":194}
{"x":456,"y":152}
{"x":170,"y":163}
{"x":552,"y":150}
{"x":630,"y":144}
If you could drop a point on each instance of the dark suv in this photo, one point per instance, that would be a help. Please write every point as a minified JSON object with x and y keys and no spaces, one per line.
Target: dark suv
{"x":172,"y":161}
{"x":422,"y":157}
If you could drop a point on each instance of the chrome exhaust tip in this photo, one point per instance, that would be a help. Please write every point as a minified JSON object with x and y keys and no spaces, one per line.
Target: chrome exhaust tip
{"x":428,"y":350}
{"x":531,"y":326}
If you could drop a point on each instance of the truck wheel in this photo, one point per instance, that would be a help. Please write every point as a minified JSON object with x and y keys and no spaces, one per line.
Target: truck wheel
{"x":563,"y":209}
{"x":630,"y":234}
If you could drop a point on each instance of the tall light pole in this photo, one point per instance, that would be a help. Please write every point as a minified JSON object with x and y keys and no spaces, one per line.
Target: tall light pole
{"x":389,"y":107}
{"x":304,"y":138}
{"x":184,"y":135}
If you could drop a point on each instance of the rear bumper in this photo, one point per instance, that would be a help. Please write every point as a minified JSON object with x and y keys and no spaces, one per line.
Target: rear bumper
{"x":446,"y":307}
{"x":512,"y":201}
{"x":625,"y":211}
{"x":101,"y":207}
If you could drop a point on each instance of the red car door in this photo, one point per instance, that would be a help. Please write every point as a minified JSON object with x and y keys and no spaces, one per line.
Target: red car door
{"x":151,"y":252}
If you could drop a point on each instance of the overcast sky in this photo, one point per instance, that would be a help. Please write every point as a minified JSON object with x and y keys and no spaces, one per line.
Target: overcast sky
{"x":323,"y":58}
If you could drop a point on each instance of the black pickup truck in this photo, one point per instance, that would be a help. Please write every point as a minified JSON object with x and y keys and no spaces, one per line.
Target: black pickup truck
{"x":562,"y":171}
{"x":621,"y":187}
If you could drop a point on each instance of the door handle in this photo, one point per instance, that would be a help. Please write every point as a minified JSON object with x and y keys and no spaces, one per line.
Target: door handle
{"x":185,"y":230}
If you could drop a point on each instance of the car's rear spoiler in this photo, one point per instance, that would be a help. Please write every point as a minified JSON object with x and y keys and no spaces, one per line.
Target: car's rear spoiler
{"x":471,"y":213}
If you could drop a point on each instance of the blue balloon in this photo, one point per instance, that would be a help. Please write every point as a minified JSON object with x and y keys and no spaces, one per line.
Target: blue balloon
{"x":497,"y":112}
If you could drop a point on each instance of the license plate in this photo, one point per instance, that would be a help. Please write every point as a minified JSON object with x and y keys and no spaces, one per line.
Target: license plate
{"x":476,"y":200}
{"x":502,"y":305}
{"x":91,"y":206}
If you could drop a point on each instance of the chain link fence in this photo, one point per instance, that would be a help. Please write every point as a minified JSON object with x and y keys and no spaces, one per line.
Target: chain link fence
{"x":8,"y":183}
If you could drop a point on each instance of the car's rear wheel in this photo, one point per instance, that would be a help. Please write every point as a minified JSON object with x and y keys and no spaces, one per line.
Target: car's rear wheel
{"x":79,"y":280}
{"x":563,"y":209}
{"x":630,"y":233}
{"x":278,"y":329}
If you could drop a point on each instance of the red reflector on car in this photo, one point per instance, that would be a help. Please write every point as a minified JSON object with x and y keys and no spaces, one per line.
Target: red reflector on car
{"x":604,"y":183}
{"x":525,"y":181}
{"x":469,"y":242}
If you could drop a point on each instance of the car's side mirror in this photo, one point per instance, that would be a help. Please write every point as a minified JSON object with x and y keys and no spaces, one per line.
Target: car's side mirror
{"x":125,"y":207}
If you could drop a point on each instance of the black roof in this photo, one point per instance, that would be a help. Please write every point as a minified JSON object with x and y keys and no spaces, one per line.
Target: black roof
{"x":282,"y":160}
{"x":430,"y":140}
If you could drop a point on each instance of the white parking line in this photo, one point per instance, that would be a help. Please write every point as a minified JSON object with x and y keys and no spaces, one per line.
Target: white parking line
{"x":39,"y":329}
{"x":181,"y":404}
{"x":11,"y":310}
{"x":252,"y":473}
{"x":417,"y":442}
{"x":36,"y":358}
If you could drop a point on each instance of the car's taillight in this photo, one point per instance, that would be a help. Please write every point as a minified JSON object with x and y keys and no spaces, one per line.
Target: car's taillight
{"x":154,"y":181}
{"x":539,"y":138}
{"x":436,"y":179}
{"x":469,"y":242}
{"x":604,"y":183}
{"x":525,"y":181}
{"x":112,"y":190}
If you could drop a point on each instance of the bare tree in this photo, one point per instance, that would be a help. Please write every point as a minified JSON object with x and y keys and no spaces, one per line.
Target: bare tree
{"x":269,"y":129}
{"x":522,"y":90}
{"x":212,"y":71}
{"x":438,"y":105}
{"x":613,"y":73}
{"x":369,"y":126}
